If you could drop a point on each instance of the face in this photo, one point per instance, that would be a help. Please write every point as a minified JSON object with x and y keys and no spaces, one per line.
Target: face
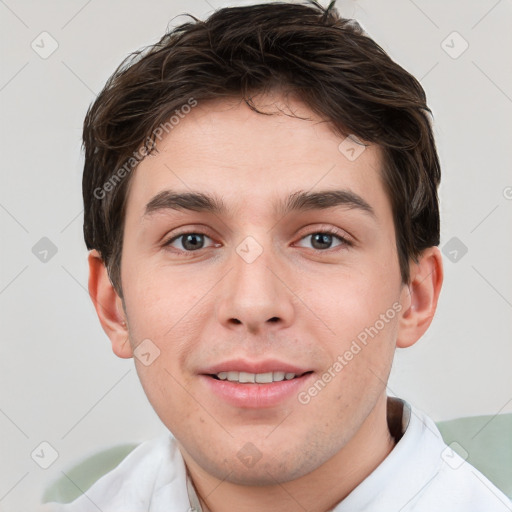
{"x":268,"y":314}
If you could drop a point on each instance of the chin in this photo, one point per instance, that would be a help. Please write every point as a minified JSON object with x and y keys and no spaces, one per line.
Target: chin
{"x":264,"y":469}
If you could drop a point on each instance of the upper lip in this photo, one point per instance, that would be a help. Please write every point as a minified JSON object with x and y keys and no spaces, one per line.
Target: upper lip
{"x":243,"y":365}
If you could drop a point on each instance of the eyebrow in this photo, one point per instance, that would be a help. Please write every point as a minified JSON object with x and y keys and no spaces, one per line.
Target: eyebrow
{"x":301,"y":201}
{"x":194,"y":201}
{"x":297,"y":201}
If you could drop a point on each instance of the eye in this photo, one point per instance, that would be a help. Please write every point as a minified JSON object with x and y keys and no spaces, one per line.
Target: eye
{"x":188,"y":242}
{"x":323,"y":240}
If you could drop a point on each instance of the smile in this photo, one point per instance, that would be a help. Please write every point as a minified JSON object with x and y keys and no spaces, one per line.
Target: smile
{"x":258,"y":378}
{"x":246,"y":390}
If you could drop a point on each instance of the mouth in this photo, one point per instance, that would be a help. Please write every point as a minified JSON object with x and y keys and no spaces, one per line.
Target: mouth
{"x":256,"y":378}
{"x":250,"y":385}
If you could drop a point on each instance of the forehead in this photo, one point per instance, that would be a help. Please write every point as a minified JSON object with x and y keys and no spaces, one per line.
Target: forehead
{"x":248,"y":158}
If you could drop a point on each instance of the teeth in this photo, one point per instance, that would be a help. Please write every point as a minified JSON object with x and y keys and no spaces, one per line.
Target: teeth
{"x":246,"y":377}
{"x":263,"y":378}
{"x":260,"y":378}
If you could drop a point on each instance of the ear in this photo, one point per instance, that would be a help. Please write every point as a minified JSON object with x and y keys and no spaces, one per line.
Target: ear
{"x":419,"y":298}
{"x":108,"y":305}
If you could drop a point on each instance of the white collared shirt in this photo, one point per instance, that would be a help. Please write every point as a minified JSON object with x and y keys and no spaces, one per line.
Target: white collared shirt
{"x":420,"y":474}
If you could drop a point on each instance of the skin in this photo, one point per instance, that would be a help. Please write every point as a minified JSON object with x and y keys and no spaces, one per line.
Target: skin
{"x":209,"y":305}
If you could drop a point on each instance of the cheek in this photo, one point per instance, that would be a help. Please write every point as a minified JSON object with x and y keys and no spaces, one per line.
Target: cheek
{"x":164,"y":319}
{"x":348,"y":302}
{"x":160,"y":303}
{"x":361,"y":312}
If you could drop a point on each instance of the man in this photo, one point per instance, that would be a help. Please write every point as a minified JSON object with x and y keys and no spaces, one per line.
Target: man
{"x":261,"y":208}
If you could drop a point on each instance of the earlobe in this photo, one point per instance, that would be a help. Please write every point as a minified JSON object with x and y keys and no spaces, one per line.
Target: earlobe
{"x":419,"y":298}
{"x":108,"y":306}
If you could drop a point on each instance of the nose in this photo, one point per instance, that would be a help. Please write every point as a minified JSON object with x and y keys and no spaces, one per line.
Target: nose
{"x":255,"y":295}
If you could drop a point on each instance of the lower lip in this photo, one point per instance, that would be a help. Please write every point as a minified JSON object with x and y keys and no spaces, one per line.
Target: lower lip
{"x":255,"y":396}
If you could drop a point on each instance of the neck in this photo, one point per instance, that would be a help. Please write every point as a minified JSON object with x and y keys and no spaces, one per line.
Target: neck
{"x":331,"y":482}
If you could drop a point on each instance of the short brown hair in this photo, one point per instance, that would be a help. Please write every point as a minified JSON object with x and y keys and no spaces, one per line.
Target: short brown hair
{"x":326,"y":60}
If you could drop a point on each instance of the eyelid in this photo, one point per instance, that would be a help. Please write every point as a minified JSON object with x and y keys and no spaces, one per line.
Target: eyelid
{"x":345,"y":237}
{"x":189,"y":231}
{"x":343,"y":243}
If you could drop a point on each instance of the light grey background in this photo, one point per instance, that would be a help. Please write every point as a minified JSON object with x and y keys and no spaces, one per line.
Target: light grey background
{"x":59,"y":380}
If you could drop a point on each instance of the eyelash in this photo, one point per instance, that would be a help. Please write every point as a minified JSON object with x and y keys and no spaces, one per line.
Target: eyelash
{"x":345,"y":242}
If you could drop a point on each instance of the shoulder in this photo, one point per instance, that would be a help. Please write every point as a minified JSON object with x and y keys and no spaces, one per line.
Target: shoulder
{"x":422,"y":474}
{"x":463,"y":488}
{"x":451,"y":483}
{"x":153,"y":472}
